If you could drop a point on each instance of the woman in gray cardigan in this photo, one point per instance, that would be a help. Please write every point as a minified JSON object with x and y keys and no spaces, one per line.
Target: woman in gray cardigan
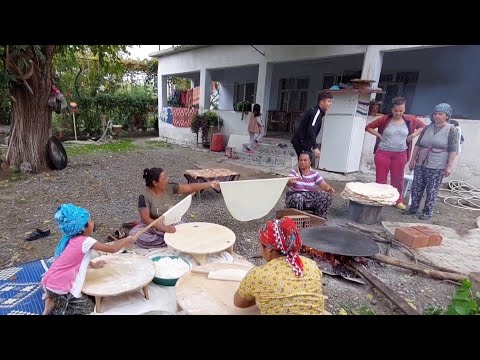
{"x":432,"y":159}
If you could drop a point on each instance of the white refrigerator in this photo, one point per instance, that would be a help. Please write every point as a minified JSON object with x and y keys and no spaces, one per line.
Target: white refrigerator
{"x":344,"y":130}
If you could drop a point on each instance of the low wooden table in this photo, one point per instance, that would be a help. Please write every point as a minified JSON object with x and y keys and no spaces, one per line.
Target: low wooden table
{"x":200,"y":239}
{"x":198,"y":295}
{"x":206,"y":175}
{"x":122,"y":273}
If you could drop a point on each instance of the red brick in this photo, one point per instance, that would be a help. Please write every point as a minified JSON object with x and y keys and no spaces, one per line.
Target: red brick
{"x":411,"y":237}
{"x":434,"y":237}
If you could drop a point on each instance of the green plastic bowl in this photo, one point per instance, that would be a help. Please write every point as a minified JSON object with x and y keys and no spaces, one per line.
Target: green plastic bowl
{"x":168,"y":281}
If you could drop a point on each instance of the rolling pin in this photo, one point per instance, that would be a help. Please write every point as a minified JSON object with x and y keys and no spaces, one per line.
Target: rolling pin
{"x":147,"y":227}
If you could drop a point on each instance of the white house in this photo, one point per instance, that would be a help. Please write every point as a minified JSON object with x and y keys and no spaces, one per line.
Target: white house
{"x":288,"y":78}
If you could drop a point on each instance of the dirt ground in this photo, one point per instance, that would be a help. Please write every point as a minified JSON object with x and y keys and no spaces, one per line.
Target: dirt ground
{"x":108,"y":185}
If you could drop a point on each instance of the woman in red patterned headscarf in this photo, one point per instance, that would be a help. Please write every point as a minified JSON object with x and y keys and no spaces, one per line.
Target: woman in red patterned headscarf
{"x":280,"y":237}
{"x":287,"y":283}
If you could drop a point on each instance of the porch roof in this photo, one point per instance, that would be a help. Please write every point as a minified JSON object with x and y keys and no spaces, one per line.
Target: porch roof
{"x":174,"y":50}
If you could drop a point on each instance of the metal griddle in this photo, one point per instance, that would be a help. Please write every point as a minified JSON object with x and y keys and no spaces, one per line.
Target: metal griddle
{"x":339,"y":241}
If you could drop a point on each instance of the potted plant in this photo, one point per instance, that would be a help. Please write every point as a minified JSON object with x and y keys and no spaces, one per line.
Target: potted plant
{"x":244,"y":107}
{"x":206,"y":122}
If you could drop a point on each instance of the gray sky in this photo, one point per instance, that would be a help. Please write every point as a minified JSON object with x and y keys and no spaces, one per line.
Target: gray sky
{"x":141,"y":52}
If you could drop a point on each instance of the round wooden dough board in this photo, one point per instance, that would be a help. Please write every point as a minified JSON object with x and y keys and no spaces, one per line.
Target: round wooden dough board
{"x":200,"y":238}
{"x":121,"y":274}
{"x":199,"y":295}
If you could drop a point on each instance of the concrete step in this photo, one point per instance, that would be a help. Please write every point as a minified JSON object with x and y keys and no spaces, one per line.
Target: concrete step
{"x":276,"y":141}
{"x":275,"y":150}
{"x":266,"y":159}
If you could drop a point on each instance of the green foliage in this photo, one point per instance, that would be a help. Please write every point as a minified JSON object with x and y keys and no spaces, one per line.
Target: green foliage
{"x":86,"y":66}
{"x":203,"y":122}
{"x":244,"y":106}
{"x":95,"y":77}
{"x":363,"y":310}
{"x":113,"y":147}
{"x":126,"y":106}
{"x":464,"y":302}
{"x":178,"y":84}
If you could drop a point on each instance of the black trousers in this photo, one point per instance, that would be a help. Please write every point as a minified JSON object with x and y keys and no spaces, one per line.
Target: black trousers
{"x":299,"y":146}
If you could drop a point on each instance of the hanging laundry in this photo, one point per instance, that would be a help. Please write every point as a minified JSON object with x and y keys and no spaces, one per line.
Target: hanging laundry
{"x":184,"y":98}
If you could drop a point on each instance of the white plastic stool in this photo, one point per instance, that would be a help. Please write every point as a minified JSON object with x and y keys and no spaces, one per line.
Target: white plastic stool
{"x":407,"y":184}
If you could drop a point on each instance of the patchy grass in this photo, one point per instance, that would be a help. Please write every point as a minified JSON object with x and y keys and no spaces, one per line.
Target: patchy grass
{"x":363,"y":310}
{"x":11,"y":175}
{"x":153,"y":144}
{"x":113,"y":147}
{"x":355,"y":309}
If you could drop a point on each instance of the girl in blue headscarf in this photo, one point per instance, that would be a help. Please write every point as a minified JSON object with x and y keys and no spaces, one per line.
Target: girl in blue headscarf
{"x":64,"y":280}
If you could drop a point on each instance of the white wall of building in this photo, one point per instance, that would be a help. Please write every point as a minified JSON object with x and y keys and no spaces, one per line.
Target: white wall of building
{"x":446,"y":74}
{"x":314,"y":71}
{"x":228,"y":77}
{"x":225,"y":56}
{"x":233,"y":123}
{"x":176,"y":135}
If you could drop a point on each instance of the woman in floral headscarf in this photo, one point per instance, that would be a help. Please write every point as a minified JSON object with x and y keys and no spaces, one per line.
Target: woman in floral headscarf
{"x":287,"y":283}
{"x":432,"y":159}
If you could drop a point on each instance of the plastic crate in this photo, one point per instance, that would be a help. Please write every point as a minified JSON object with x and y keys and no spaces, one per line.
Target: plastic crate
{"x":302,"y":221}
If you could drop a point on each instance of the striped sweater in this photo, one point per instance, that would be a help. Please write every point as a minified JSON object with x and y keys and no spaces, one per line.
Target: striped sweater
{"x":308,"y":182}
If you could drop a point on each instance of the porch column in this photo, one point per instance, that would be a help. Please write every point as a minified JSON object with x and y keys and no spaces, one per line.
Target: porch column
{"x":264,"y":84}
{"x":162,"y":92}
{"x":372,"y":65}
{"x":205,"y":88}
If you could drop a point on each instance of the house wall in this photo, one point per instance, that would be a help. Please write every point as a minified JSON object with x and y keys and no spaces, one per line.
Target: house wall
{"x":176,"y":135}
{"x":225,"y":56}
{"x":233,"y":123}
{"x":314,"y":71}
{"x":228,"y":77}
{"x":446,"y":74}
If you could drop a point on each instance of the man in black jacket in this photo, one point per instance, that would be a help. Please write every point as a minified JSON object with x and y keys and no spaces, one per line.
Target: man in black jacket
{"x":305,"y":137}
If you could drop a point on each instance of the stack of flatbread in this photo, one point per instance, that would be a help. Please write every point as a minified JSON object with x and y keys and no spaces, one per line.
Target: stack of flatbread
{"x":371,"y":193}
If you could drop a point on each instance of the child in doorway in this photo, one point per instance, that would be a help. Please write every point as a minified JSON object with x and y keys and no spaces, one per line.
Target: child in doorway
{"x":64,"y":280}
{"x":255,"y":126}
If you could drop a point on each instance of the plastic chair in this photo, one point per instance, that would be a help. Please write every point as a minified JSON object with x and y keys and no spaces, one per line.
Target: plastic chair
{"x":407,"y":184}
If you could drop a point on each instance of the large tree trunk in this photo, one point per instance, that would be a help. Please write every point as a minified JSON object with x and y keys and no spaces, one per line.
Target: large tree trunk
{"x":32,"y":117}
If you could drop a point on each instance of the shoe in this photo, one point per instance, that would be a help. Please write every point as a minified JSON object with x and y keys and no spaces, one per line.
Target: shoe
{"x":425,"y":217}
{"x":408,"y":212}
{"x":119,"y":234}
{"x":38,"y":234}
{"x":400,"y":206}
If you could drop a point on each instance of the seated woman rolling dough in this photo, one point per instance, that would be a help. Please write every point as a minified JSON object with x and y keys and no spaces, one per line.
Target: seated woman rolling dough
{"x":156,"y":200}
{"x":287,"y":283}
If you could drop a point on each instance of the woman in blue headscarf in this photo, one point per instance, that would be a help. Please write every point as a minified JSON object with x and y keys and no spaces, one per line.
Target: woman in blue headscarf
{"x":64,"y":280}
{"x":432,"y":159}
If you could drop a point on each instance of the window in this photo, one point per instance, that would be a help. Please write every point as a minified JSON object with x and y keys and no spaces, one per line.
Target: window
{"x":244,"y":92}
{"x":397,"y":84}
{"x":329,"y":80}
{"x":349,"y":75}
{"x":293,"y":94}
